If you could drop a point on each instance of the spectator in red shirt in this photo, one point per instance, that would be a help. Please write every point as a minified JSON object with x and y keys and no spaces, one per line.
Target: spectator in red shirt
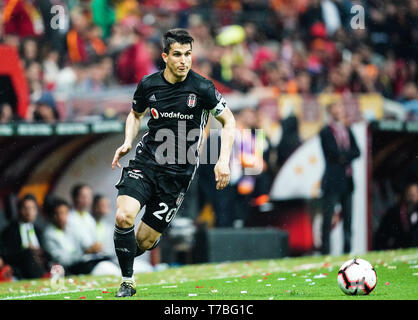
{"x":135,"y":61}
{"x":21,"y":17}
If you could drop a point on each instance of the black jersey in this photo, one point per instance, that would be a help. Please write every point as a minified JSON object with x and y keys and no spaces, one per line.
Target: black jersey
{"x":178,"y":115}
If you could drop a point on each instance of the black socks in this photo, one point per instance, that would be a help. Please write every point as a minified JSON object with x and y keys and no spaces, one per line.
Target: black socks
{"x":127,"y":249}
{"x":125,"y":246}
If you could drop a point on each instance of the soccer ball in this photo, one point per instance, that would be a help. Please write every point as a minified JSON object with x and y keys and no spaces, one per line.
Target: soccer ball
{"x":357,"y":277}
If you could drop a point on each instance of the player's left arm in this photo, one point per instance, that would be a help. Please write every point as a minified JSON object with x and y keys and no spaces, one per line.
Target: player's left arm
{"x":222,"y":171}
{"x":217,"y":106}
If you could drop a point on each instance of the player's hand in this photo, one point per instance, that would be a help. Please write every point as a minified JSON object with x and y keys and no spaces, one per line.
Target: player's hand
{"x":120,"y":152}
{"x":222,"y":175}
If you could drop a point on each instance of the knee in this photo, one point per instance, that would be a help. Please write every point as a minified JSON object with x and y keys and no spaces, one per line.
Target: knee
{"x":124,"y":219}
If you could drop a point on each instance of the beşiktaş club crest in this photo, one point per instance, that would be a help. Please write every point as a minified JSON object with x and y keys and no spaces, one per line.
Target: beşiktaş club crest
{"x":191,"y":100}
{"x":154,"y":113}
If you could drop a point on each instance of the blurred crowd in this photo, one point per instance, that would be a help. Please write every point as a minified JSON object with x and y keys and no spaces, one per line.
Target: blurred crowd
{"x":303,"y":46}
{"x":58,"y":237}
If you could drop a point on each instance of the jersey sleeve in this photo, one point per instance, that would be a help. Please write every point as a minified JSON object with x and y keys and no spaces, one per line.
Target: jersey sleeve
{"x":138,"y":102}
{"x":213,"y":100}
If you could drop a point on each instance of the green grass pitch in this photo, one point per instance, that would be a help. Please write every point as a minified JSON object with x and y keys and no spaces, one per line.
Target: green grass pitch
{"x":283,"y":279}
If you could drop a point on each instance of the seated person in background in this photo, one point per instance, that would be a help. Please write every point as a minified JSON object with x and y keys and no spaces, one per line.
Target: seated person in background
{"x":399,"y":226}
{"x":104,"y":230}
{"x":65,"y":247}
{"x":6,"y":272}
{"x":46,"y":109}
{"x":22,"y":242}
{"x":80,"y":219}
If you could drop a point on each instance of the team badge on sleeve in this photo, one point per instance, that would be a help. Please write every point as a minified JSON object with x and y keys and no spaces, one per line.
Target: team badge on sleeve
{"x":218,"y":95}
{"x":191,"y":100}
{"x":219,"y":108}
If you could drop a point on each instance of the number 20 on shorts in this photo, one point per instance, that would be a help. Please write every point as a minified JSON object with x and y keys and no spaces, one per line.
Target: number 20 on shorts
{"x":170,"y":214}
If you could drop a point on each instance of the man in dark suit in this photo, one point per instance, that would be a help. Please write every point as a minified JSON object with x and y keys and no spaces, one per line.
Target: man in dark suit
{"x":22,"y":241}
{"x":340,"y":149}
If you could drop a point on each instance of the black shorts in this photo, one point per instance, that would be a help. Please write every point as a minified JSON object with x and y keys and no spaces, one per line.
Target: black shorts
{"x":160,"y":192}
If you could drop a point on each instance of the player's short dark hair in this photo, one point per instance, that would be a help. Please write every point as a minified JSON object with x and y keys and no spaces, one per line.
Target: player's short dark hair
{"x":179,"y":35}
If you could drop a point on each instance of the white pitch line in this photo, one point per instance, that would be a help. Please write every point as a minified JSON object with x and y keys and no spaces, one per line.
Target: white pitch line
{"x":45,"y":294}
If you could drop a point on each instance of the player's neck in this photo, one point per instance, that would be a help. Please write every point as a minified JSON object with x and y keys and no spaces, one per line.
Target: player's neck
{"x":170,"y":77}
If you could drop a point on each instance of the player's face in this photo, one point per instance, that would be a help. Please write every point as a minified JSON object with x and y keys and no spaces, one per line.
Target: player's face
{"x":179,"y":59}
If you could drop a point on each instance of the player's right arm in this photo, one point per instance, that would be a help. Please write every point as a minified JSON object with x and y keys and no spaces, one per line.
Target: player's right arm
{"x":132,"y":126}
{"x":133,"y":123}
